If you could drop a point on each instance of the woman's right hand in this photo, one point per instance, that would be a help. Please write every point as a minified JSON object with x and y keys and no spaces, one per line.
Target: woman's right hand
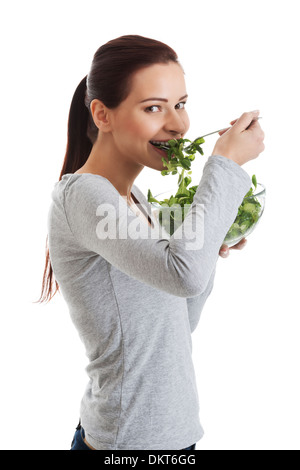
{"x":239,"y":143}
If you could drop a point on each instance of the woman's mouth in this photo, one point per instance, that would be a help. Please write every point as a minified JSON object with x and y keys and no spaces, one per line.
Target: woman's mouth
{"x":160,"y":143}
{"x":161,"y":146}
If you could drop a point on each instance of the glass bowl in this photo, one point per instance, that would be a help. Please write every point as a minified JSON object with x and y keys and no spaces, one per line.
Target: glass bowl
{"x":248,"y":216}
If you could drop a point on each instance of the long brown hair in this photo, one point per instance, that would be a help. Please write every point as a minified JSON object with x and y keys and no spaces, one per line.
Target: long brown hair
{"x":109,"y":81}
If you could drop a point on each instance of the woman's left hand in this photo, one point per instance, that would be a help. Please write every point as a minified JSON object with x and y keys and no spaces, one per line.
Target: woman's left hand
{"x":224,"y":251}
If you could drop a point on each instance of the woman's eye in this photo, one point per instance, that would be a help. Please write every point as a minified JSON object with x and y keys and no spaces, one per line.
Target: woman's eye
{"x":152,"y":109}
{"x":180,"y":105}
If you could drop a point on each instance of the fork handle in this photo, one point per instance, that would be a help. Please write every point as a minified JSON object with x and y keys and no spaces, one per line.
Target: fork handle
{"x":220,"y":130}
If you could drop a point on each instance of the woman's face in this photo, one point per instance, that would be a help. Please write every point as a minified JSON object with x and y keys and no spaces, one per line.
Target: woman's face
{"x":153,"y":111}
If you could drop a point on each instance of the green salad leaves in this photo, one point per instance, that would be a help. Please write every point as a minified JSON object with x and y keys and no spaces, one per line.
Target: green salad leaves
{"x":180,"y":154}
{"x":248,"y":215}
{"x":176,"y":154}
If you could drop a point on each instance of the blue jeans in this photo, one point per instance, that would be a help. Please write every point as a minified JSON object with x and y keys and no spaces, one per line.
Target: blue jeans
{"x":79,"y":444}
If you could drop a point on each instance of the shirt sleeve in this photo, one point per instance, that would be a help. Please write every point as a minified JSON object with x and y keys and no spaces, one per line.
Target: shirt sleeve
{"x":182,"y":265}
{"x":195,"y":304}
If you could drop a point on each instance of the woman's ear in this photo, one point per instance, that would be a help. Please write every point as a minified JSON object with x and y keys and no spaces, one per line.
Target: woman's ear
{"x":100,"y":115}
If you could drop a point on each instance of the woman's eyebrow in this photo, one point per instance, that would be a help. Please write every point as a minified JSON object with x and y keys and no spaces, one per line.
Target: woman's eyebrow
{"x":162,"y":99}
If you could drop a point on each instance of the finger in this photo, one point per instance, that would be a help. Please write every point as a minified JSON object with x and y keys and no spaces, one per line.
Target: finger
{"x":224,"y":251}
{"x":224,"y":255}
{"x":245,"y":120}
{"x":224,"y":130}
{"x":240,"y":245}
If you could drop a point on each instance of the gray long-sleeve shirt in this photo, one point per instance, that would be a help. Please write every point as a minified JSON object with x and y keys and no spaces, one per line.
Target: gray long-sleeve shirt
{"x":135,"y":295}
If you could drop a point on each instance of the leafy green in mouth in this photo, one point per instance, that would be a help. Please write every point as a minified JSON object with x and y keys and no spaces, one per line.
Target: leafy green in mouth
{"x":179,"y":155}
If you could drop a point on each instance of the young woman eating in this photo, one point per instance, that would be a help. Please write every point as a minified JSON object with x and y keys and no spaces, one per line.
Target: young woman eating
{"x":136,"y":300}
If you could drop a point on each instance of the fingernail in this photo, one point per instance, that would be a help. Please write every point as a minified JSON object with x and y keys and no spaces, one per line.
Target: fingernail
{"x":256,"y":111}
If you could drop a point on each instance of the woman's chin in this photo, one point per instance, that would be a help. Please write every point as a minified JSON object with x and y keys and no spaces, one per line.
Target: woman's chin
{"x":158,"y":167}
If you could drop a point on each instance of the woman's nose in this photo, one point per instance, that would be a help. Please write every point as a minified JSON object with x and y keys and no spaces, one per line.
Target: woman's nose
{"x":175,"y":124}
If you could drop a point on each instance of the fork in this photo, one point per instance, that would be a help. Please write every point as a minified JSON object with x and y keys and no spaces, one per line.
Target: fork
{"x":215,"y":132}
{"x":220,"y":130}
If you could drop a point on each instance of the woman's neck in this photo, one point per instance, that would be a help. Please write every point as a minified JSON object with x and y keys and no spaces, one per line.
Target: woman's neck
{"x":104,"y":160}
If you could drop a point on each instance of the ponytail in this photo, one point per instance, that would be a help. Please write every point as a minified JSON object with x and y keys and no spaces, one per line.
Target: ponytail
{"x":79,"y":143}
{"x":48,"y":287}
{"x":82,"y":132}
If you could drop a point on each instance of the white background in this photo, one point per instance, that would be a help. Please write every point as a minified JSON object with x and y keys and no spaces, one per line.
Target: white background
{"x":238,"y":56}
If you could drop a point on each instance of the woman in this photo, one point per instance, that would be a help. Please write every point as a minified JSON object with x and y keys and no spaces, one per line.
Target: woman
{"x":136,"y":300}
